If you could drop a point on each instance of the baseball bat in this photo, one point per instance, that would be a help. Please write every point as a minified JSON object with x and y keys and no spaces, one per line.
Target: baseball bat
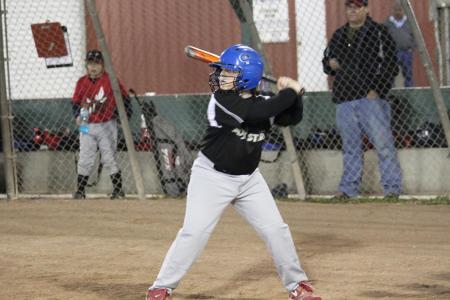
{"x":208,"y":57}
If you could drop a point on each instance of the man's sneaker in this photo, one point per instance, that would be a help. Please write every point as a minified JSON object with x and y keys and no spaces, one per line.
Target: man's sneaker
{"x":304,"y":291}
{"x":79,"y":195}
{"x":159,"y":294}
{"x":340,"y":197}
{"x":391,"y":197}
{"x":117,"y":195}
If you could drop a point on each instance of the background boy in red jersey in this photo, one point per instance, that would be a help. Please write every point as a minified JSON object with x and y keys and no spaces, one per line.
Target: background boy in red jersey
{"x":94,"y":98}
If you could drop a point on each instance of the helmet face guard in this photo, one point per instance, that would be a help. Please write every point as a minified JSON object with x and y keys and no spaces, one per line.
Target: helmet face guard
{"x":215,"y":80}
{"x":214,"y":84}
{"x":242,"y":59}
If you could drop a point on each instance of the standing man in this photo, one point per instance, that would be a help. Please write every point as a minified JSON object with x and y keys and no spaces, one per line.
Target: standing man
{"x":400,"y":31}
{"x":361,"y":57}
{"x":226,"y":172}
{"x":94,"y":97}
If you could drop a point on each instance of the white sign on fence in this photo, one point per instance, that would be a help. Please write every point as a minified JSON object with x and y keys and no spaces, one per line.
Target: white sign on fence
{"x":272,"y":20}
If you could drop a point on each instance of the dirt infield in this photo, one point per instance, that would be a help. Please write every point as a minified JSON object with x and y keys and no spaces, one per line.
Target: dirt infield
{"x":101,"y":249}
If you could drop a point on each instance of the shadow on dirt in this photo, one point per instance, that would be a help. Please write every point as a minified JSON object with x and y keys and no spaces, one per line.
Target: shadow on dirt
{"x":413,"y":291}
{"x":203,"y":296}
{"x":109,"y":290}
{"x":319,"y":244}
{"x":442,"y":276}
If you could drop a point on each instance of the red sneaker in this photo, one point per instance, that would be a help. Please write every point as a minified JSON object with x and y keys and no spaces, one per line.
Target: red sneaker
{"x":159,"y":294}
{"x":304,"y":291}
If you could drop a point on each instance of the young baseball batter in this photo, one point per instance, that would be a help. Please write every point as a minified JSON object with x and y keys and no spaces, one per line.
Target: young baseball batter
{"x":226,"y":172}
{"x":94,"y":94}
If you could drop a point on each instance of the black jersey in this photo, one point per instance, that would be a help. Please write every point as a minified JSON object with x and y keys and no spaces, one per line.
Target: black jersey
{"x":232,"y":141}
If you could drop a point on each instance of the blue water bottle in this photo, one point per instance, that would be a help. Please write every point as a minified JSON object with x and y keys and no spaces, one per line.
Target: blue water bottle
{"x":84,"y":117}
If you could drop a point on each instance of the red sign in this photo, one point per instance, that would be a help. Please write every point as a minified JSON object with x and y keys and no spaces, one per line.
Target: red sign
{"x":49,"y":39}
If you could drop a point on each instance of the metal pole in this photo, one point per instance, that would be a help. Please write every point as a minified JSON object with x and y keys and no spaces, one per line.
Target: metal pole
{"x":245,"y":32}
{"x":446,"y":34}
{"x":437,"y":37}
{"x":443,"y":15}
{"x":8,"y":93}
{"x":286,"y":131}
{"x":439,"y":14}
{"x":426,"y":61}
{"x":5,"y":115}
{"x":119,"y":99}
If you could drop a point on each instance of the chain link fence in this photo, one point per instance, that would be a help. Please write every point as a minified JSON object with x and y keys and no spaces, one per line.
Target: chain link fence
{"x":146,"y":39}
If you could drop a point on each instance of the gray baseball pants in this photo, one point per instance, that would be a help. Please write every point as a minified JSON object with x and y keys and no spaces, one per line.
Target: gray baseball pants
{"x":101,"y":136}
{"x":209,"y":193}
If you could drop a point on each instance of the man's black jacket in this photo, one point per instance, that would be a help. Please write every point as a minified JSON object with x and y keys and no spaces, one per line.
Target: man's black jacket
{"x":367,"y":61}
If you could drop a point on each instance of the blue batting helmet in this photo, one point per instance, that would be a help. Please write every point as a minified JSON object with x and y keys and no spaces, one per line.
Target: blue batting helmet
{"x":246,"y":61}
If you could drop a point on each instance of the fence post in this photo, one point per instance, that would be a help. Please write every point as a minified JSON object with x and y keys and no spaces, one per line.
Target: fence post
{"x":286,"y":131}
{"x":445,"y":40}
{"x":5,"y":115}
{"x":245,"y":32}
{"x":118,"y":98}
{"x":440,"y":9}
{"x":426,"y":61}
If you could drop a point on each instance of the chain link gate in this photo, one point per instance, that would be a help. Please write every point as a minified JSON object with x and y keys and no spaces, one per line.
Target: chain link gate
{"x":146,"y":41}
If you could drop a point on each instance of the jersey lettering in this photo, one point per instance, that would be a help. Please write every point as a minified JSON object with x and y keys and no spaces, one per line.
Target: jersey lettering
{"x":249,"y":137}
{"x":96,"y":103}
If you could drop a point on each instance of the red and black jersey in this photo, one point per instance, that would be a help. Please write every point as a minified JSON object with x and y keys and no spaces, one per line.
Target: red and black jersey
{"x":98,"y":96}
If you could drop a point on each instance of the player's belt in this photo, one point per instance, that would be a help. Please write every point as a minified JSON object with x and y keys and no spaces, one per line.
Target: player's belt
{"x":217,"y":168}
{"x":211,"y":164}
